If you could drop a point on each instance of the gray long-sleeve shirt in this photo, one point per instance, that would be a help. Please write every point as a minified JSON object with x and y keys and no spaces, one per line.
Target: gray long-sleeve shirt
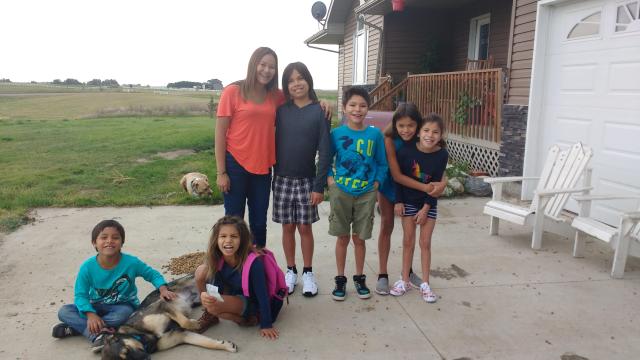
{"x":300,"y":133}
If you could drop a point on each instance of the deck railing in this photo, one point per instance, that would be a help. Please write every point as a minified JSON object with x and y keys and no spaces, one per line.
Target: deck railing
{"x":470,"y":102}
{"x":381,"y":89}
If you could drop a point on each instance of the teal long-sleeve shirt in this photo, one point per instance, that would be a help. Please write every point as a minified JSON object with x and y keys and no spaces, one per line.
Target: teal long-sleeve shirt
{"x":360,"y":159}
{"x":95,"y":285}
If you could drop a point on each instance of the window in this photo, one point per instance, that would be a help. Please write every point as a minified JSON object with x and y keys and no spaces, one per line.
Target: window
{"x":627,"y":17}
{"x":479,"y":37}
{"x":360,"y":54}
{"x":588,"y":26}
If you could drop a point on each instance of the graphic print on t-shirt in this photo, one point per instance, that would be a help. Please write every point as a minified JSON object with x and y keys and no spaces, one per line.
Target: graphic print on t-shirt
{"x":352,"y":167}
{"x":114,"y":294}
{"x":418,"y":174}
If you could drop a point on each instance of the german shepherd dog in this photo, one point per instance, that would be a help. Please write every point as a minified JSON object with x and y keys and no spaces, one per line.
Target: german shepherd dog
{"x":159,"y":325}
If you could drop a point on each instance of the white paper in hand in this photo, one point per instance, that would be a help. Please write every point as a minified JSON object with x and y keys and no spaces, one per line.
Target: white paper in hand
{"x":213,"y":291}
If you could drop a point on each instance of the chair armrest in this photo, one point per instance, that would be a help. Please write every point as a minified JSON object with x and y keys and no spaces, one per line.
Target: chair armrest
{"x":551,"y":192}
{"x":632,"y":215}
{"x":495,"y":180}
{"x":605,"y":197}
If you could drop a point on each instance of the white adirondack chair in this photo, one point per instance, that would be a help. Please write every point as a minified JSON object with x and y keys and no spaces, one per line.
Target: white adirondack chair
{"x":620,"y":238}
{"x":559,"y":178}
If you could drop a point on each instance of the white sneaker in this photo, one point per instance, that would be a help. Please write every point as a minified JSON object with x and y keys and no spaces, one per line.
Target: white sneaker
{"x":399,"y":288}
{"x":427,"y":294}
{"x":291,"y":278}
{"x":309,"y":284}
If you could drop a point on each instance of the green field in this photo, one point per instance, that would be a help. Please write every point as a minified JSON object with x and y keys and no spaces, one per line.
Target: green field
{"x":61,"y":150}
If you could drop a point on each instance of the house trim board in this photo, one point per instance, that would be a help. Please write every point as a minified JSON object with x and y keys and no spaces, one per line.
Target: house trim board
{"x":538,"y":68}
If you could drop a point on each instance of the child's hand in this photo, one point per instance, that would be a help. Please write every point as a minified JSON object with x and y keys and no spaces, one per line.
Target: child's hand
{"x":376,"y":185}
{"x":270,"y":333}
{"x":94,"y":323}
{"x":326,"y":107}
{"x":316,"y":198}
{"x":437,"y":188}
{"x":167,"y":294}
{"x":208,"y":302}
{"x":421,"y":216}
{"x":398,"y":209}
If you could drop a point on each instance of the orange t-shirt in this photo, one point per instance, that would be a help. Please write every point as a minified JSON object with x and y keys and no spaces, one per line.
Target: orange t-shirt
{"x":251,"y":137}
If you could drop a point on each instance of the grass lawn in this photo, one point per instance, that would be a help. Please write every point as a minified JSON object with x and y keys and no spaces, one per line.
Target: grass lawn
{"x":56,"y":151}
{"x":99,"y":162}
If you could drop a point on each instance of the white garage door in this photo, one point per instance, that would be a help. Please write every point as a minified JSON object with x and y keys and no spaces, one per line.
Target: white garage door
{"x":592,"y":93}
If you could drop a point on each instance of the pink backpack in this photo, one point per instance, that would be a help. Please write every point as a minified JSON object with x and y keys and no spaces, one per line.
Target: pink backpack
{"x":276,"y":286}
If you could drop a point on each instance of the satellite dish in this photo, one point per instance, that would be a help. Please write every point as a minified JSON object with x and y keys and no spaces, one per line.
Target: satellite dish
{"x":318,"y":10}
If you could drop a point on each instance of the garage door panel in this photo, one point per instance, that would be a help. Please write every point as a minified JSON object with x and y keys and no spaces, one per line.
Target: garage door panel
{"x":578,"y":78}
{"x":624,"y":78}
{"x":623,"y":139}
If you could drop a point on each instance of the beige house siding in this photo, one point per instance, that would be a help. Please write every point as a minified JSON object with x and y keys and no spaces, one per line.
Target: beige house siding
{"x":522,"y":52}
{"x":345,"y":57}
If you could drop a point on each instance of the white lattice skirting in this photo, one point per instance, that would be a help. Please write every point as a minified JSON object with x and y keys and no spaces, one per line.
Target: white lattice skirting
{"x":481,"y":155}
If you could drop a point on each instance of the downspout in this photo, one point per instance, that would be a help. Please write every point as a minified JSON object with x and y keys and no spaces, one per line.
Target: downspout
{"x":361,"y":18}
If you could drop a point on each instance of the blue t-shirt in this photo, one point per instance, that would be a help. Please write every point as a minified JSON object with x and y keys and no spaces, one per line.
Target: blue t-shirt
{"x":388,"y":186}
{"x":360,"y":159}
{"x":96,"y":285}
{"x":423,"y":167}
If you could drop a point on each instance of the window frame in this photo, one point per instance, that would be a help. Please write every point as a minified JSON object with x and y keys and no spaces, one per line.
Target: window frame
{"x":474,"y":32}
{"x":360,"y":58}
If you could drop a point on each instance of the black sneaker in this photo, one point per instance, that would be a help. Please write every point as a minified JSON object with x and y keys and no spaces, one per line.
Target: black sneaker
{"x":340,"y":291}
{"x":361,"y":286}
{"x":62,"y":331}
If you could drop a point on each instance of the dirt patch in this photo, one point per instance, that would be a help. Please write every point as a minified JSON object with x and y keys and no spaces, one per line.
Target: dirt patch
{"x":449,"y":273}
{"x":171,"y":155}
{"x":184,"y":264}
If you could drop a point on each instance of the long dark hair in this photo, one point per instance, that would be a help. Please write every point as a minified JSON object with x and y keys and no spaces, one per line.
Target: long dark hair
{"x":249,"y":82}
{"x":435,"y":118}
{"x":306,"y":75}
{"x":409,"y":110}
{"x":213,"y":251}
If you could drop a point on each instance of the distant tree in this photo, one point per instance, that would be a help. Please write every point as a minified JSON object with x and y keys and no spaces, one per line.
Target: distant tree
{"x":3,"y":80}
{"x":70,"y":81}
{"x":214,"y":84}
{"x":110,"y":83}
{"x":184,"y":85}
{"x":34,"y":82}
{"x":95,"y":82}
{"x":57,"y":81}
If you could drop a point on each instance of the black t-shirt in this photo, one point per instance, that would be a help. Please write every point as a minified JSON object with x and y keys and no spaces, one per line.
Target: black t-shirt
{"x":423,"y":167}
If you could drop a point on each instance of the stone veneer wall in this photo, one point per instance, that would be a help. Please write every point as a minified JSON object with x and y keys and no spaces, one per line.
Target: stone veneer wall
{"x":514,"y":131}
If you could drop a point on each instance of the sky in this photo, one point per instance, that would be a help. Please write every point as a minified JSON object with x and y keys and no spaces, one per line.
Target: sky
{"x":156,"y":42}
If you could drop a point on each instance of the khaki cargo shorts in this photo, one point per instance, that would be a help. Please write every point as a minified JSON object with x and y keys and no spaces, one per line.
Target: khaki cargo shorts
{"x":351,"y":214}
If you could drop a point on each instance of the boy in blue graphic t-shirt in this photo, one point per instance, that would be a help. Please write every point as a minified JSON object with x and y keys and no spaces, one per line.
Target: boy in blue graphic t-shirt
{"x":359,"y":167}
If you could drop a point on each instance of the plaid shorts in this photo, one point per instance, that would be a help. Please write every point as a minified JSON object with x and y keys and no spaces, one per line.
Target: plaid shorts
{"x":292,"y":201}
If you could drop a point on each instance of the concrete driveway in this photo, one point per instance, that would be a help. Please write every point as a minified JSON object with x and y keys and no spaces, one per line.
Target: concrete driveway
{"x":498,"y":298}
